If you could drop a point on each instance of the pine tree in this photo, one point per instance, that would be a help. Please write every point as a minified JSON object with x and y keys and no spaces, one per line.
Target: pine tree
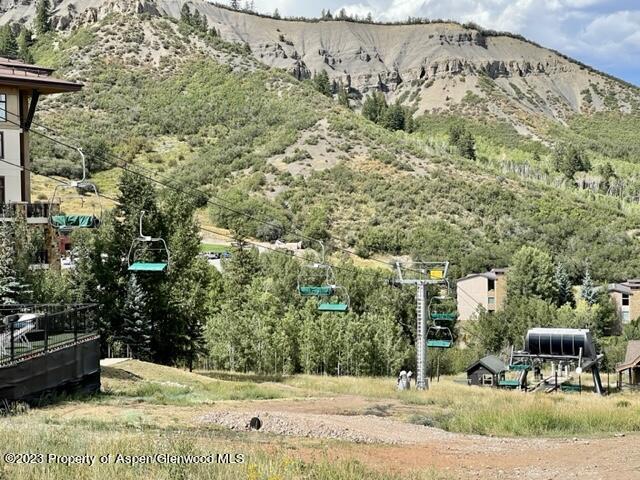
{"x":394,"y":117}
{"x":9,"y":285}
{"x":467,"y":145}
{"x":185,"y":14}
{"x":25,"y":41}
{"x":276,"y":13}
{"x":42,"y":21}
{"x":8,"y":43}
{"x":564,"y":289}
{"x":589,"y":293}
{"x":374,"y":107}
{"x":322,"y":83}
{"x":235,"y":4}
{"x":136,"y":328}
{"x":343,"y":97}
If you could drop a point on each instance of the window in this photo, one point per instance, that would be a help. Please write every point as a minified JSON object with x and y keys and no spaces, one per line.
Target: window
{"x":487,"y":379}
{"x":625,"y":317}
{"x":2,"y":196}
{"x":625,"y":299}
{"x":3,"y":107}
{"x":491,"y":301}
{"x":491,"y":284}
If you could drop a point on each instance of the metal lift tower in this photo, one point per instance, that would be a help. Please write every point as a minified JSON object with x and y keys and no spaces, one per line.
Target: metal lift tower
{"x":423,"y":274}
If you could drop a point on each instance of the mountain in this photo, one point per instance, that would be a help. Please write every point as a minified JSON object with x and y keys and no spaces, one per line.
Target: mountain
{"x":430,"y":67}
{"x":204,"y":109}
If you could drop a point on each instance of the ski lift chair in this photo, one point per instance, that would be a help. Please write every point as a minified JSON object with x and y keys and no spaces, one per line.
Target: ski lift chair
{"x":76,"y":221}
{"x":342,"y":303}
{"x":140,"y":249}
{"x":439,"y":337}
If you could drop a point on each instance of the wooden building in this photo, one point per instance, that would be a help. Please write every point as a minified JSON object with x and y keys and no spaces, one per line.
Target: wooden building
{"x":630,"y":366}
{"x":487,"y":372}
{"x":21,"y":86}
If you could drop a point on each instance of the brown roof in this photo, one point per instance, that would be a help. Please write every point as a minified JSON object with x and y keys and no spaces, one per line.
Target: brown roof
{"x":632,"y":358}
{"x":33,"y":77}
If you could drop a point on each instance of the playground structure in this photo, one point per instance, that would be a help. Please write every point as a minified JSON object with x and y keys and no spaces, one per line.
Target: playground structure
{"x":569,"y":351}
{"x":422,"y":275}
{"x":317,"y":280}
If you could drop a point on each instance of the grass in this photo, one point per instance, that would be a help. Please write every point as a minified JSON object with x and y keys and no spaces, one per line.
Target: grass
{"x":214,"y":248}
{"x":455,"y":407}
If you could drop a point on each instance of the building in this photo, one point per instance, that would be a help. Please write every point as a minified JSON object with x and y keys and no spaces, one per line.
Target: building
{"x":486,"y":290}
{"x":626,"y":297}
{"x":21,"y":86}
{"x":487,"y":371}
{"x":631,"y":365}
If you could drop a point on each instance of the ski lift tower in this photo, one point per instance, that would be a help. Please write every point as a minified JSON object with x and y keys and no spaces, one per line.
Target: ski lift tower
{"x":421,"y":275}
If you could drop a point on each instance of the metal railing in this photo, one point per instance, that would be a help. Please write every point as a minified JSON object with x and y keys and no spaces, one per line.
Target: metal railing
{"x":29,"y":330}
{"x":27,"y":210}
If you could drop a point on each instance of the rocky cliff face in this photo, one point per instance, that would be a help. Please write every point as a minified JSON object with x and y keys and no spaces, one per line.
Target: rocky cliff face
{"x":431,"y":67}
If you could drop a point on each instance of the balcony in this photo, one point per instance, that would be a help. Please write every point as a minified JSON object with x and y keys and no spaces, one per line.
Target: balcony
{"x":34,"y":213}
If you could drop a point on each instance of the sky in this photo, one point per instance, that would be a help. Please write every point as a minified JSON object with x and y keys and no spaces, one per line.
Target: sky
{"x":602,"y":33}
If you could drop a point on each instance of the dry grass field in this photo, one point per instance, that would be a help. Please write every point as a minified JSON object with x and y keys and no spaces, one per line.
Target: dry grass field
{"x":324,"y":428}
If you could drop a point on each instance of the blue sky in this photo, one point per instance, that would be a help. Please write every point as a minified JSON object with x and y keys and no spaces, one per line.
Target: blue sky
{"x":601,"y":33}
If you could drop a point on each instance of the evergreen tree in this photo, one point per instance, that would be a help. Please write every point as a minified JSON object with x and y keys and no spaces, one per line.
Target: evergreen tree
{"x":374,"y":107}
{"x":136,"y":328}
{"x":569,"y":160}
{"x":235,"y":4}
{"x":322,"y":83}
{"x":10,"y":287}
{"x":25,"y":41}
{"x":394,"y":117}
{"x":564,"y":289}
{"x":185,"y":14}
{"x":8,"y":43}
{"x":467,"y":145}
{"x":588,"y":292}
{"x":343,"y":97}
{"x":42,"y":21}
{"x":276,"y":13}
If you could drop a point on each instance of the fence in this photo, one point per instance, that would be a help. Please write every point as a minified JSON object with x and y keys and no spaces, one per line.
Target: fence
{"x":29,"y":330}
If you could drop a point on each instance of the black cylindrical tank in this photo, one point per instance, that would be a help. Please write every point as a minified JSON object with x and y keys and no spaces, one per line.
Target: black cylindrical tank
{"x":560,"y":342}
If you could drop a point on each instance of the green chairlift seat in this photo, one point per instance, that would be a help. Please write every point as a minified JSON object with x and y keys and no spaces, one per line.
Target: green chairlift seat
{"x":519,"y":367}
{"x":147,"y":267}
{"x":509,"y":383}
{"x":444,"y":317}
{"x":333,"y":307}
{"x":70,"y":222}
{"x":439,"y":343}
{"x":315,"y":291}
{"x":567,"y":387}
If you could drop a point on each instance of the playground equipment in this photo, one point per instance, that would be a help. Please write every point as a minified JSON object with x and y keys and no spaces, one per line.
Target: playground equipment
{"x":145,"y":246}
{"x":69,"y":222}
{"x":567,"y":350}
{"x":318,"y":280}
{"x":421,"y":275}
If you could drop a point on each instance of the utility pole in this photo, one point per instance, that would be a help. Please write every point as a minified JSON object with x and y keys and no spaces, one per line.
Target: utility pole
{"x":428,"y":273}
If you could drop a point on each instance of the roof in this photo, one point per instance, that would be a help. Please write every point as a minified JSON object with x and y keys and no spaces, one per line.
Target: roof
{"x":490,"y":275}
{"x":619,"y":287}
{"x":632,"y":358}
{"x":33,"y":77}
{"x":491,"y":363}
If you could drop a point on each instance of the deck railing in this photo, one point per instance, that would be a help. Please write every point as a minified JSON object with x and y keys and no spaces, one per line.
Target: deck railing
{"x":29,"y":330}
{"x":27,"y":210}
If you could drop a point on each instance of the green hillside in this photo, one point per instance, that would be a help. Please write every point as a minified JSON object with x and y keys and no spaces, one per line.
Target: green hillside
{"x":206,"y":115}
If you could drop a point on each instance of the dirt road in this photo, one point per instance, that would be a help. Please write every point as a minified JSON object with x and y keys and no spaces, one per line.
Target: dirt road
{"x":366,"y":431}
